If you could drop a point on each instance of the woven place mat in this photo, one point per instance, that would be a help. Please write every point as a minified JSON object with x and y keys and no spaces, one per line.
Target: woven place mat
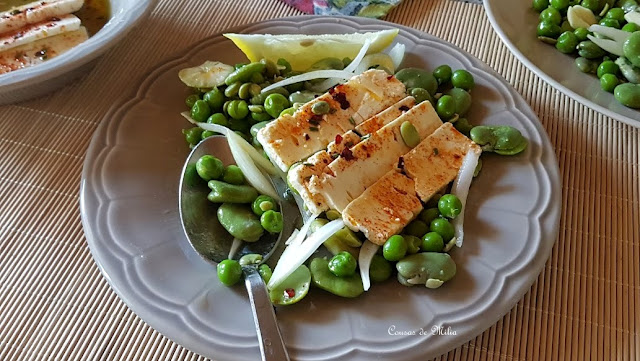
{"x":55,"y":304}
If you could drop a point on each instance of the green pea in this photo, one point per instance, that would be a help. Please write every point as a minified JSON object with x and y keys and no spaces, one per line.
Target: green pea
{"x":395,"y":248}
{"x":416,"y":228}
{"x":615,"y":13}
{"x":233,"y":175}
{"x":206,"y":134}
{"x":588,"y":49}
{"x":567,"y":42}
{"x":191,"y":100}
{"x":320,"y":108}
{"x":413,"y":243}
{"x":561,"y":5}
{"x":222,"y":192}
{"x":193,"y":135}
{"x":462,"y":79}
{"x":586,"y":65}
{"x":446,"y":107}
{"x":548,"y":29}
{"x":421,"y":95}
{"x":504,"y":140}
{"x":232,"y":90}
{"x":594,"y":5}
{"x":250,"y":259}
{"x":463,"y":126}
{"x":607,"y":67}
{"x":244,"y":73}
{"x":628,"y":94}
{"x":284,"y":65}
{"x":332,"y":214}
{"x":274,"y":104}
{"x":612,"y":23}
{"x":272,"y":221}
{"x":264,"y":203}
{"x":243,"y":91}
{"x":239,"y":221}
{"x":229,"y":272}
{"x":343,"y":264}
{"x":443,"y":72}
{"x":409,"y":134}
{"x":539,"y":5}
{"x":428,"y":214}
{"x":631,"y":49}
{"x":218,"y":118}
{"x":380,"y":269}
{"x":432,"y":242}
{"x":270,"y":68}
{"x":630,"y":27}
{"x":323,"y":278}
{"x":260,"y":117}
{"x":462,"y":100}
{"x":200,"y":111}
{"x":238,"y":109}
{"x":450,"y":206}
{"x":551,"y":15}
{"x":628,"y":5}
{"x":215,"y":99}
{"x":443,"y":227}
{"x":209,"y":167}
{"x":418,"y":78}
{"x":265,"y":272}
{"x":581,"y":34}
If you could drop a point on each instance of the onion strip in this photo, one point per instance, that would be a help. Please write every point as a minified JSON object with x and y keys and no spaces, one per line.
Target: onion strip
{"x":460,"y":189}
{"x":295,"y":255}
{"x":397,"y":54}
{"x":235,"y":246}
{"x":611,"y":46}
{"x":367,"y":251}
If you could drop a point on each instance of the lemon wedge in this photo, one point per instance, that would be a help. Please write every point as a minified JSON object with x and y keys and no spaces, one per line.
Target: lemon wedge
{"x":301,"y":51}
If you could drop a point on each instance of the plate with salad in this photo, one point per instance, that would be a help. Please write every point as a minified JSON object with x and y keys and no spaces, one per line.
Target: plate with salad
{"x":428,"y":192}
{"x":578,"y":46}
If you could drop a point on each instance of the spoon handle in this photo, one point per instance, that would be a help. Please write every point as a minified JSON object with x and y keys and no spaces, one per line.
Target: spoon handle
{"x":271,"y":344}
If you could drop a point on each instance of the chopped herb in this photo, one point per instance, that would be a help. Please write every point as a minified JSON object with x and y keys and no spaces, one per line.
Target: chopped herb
{"x":435,"y":151}
{"x":332,"y":110}
{"x":313,"y":129}
{"x":352,"y":121}
{"x":366,"y":137}
{"x":307,"y":164}
{"x":15,"y":12}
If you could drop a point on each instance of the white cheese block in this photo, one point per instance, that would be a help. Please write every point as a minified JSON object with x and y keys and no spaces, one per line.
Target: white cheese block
{"x":292,"y":138}
{"x":385,"y":117}
{"x":41,"y":30}
{"x":36,"y":12}
{"x":40,"y":50}
{"x":349,"y":175}
{"x":384,"y":208}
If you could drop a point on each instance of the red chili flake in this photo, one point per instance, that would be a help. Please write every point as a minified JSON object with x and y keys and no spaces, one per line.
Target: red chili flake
{"x":403,"y":108}
{"x":338,"y":139}
{"x":315,"y":119}
{"x":289,"y":293}
{"x":347,"y":154}
{"x":306,"y":136}
{"x":389,"y":77}
{"x":342,"y":99}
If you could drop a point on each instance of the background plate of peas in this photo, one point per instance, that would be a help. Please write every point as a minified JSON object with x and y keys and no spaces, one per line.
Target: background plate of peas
{"x":570,"y":62}
{"x":129,"y":207}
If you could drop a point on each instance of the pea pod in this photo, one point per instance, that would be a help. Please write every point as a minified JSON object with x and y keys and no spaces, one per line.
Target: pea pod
{"x":240,"y":222}
{"x":293,"y":288}
{"x":222,"y":192}
{"x":428,"y":268}
{"x":501,"y":139}
{"x":244,"y":73}
{"x":322,"y":277}
{"x":628,"y":94}
{"x":418,"y":78}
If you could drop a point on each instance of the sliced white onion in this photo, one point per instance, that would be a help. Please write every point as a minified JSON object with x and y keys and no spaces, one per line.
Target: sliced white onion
{"x":356,"y":61}
{"x":375,"y":59}
{"x":298,"y":254}
{"x":397,"y":54}
{"x":460,"y":189}
{"x":611,"y":46}
{"x":318,"y":74}
{"x":367,"y":251}
{"x":292,"y":236}
{"x":612,"y":33}
{"x":252,"y":174}
{"x":235,"y":246}
{"x":633,"y":17}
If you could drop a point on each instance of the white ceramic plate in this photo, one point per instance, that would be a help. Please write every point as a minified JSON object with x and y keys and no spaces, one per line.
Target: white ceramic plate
{"x":515,"y":22}
{"x":130,"y":214}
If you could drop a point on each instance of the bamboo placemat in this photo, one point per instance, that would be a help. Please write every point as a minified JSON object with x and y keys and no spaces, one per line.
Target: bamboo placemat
{"x":55,"y":304}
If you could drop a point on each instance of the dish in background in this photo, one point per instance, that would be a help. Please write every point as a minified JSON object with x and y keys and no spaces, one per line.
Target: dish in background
{"x":33,"y":81}
{"x":129,"y":211}
{"x":516,"y":22}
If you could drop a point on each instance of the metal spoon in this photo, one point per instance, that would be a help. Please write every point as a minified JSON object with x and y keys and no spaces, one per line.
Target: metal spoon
{"x":212,"y":242}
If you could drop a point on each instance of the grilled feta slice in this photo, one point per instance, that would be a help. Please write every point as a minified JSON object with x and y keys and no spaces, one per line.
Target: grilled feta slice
{"x":385,"y":117}
{"x":36,"y":12}
{"x":40,"y":50}
{"x":292,"y":138}
{"x":435,"y":162}
{"x":41,"y":30}
{"x":349,"y":175}
{"x":384,"y":208}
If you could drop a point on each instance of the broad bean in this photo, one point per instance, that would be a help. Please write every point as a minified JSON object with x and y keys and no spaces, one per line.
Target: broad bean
{"x":322,"y":278}
{"x":501,"y":139}
{"x":628,"y":94}
{"x":418,"y":78}
{"x":222,"y":192}
{"x":240,"y":222}
{"x":420,"y":268}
